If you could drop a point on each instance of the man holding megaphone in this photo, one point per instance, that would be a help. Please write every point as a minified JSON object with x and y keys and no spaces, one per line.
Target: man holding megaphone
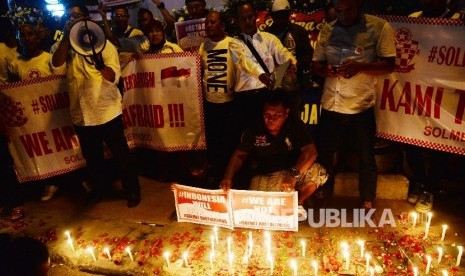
{"x":93,"y":71}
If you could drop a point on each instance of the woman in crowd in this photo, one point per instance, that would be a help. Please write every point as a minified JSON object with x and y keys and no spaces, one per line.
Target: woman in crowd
{"x":155,"y":32}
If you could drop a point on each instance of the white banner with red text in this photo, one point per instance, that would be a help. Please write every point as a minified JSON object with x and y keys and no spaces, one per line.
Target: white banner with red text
{"x":190,"y":34}
{"x":237,"y":208}
{"x":162,"y":102}
{"x":423,"y":101}
{"x":41,"y":137}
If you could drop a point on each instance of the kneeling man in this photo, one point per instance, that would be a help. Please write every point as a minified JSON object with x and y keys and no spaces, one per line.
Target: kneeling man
{"x":283,"y":151}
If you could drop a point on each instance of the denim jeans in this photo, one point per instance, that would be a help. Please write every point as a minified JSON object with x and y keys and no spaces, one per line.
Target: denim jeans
{"x":92,"y":138}
{"x":337,"y":128}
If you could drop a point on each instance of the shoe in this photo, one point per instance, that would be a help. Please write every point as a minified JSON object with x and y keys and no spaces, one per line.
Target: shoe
{"x":424,"y":203}
{"x":49,"y":192}
{"x":302,"y":214}
{"x":133,"y":199}
{"x":367,"y":205}
{"x":415,"y":193}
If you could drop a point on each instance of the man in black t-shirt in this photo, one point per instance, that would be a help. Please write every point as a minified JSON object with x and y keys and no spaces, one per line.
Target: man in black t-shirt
{"x":283,"y":150}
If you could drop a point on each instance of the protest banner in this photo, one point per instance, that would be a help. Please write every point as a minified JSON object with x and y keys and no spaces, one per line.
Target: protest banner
{"x":423,"y":101}
{"x":42,"y":140}
{"x":209,"y":207}
{"x":190,"y":34}
{"x":265,"y":210}
{"x":237,"y":208}
{"x":162,"y":102}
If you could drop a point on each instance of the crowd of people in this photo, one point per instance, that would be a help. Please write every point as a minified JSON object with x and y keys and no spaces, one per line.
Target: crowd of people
{"x":255,"y":138}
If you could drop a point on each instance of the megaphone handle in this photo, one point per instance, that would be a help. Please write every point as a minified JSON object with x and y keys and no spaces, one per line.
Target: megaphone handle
{"x":90,"y":38}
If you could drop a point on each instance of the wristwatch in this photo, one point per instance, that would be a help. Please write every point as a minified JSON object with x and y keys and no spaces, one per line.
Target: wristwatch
{"x":161,"y":6}
{"x":295,"y":173}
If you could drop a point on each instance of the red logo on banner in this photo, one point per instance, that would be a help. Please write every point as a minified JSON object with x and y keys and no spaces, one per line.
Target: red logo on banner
{"x":171,"y":76}
{"x":12,"y":113}
{"x":406,"y":50}
{"x":33,"y":74}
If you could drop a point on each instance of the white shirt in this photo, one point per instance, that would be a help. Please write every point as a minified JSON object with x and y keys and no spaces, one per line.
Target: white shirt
{"x":93,"y":100}
{"x":270,"y":49}
{"x":371,"y":38}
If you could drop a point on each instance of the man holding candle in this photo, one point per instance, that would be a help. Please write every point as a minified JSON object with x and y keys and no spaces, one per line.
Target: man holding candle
{"x":283,"y":153}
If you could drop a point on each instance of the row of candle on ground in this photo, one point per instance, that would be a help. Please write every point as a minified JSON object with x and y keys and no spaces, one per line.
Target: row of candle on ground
{"x":90,"y":249}
{"x":414,"y":217}
{"x":269,"y":256}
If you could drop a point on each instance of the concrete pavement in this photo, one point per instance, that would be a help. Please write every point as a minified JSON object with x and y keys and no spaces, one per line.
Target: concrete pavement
{"x":151,"y":229}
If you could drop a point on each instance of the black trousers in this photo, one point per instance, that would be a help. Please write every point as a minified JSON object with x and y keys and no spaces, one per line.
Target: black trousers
{"x":335,"y":128}
{"x":112,"y":133}
{"x":220,"y":136}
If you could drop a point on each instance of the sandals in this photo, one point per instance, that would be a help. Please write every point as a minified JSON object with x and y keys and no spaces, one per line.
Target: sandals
{"x":17,"y":214}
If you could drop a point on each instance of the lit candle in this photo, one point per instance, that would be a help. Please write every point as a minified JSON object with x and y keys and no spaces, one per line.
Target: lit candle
{"x":344,"y":246}
{"x":415,"y":271}
{"x":430,"y":215}
{"x":107,"y":251}
{"x":294,"y":267}
{"x":167,"y":258}
{"x":444,"y":228}
{"x":250,"y":244}
{"x":211,"y":260}
{"x":231,"y":258}
{"x":459,"y":256}
{"x":303,"y":244}
{"x":68,"y":235}
{"x":270,"y":261}
{"x":315,"y":267}
{"x":70,"y":242}
{"x":367,"y":265}
{"x":439,"y":255}
{"x":91,"y":252}
{"x":372,"y":271}
{"x":347,"y":257}
{"x":444,"y":272}
{"x":245,"y":258}
{"x":215,"y":231}
{"x":428,"y":264}
{"x":212,"y":243}
{"x":128,"y":250}
{"x":184,"y":256}
{"x":229,"y":245}
{"x":414,"y":218}
{"x":362,"y":247}
{"x":268,"y":243}
{"x":426,"y":231}
{"x":268,"y":246}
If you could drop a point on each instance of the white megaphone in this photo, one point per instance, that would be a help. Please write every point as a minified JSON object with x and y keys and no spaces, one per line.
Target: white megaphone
{"x":87,"y":38}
